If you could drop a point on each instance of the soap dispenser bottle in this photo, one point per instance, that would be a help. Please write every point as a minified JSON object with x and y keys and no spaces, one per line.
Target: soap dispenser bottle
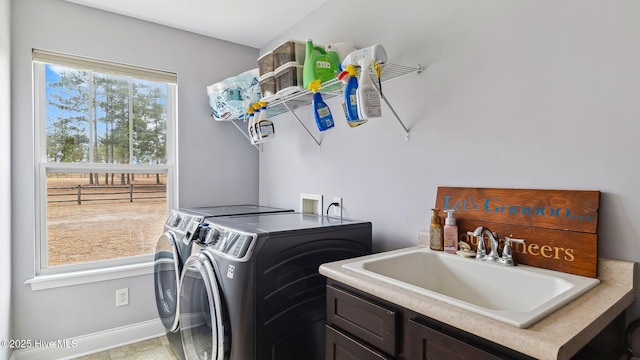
{"x":450,"y":233}
{"x":436,"y":231}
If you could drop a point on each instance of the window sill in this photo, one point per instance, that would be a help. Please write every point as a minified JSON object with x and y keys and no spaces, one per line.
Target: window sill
{"x":43,"y":282}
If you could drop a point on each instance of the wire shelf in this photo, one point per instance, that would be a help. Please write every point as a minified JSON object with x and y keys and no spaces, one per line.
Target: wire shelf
{"x":301,"y":98}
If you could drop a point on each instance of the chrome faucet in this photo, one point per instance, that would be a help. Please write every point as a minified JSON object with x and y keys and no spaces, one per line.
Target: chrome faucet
{"x":507,"y":253}
{"x":479,"y":232}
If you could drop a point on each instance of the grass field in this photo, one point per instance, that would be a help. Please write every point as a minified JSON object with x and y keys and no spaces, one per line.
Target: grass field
{"x":99,"y":230}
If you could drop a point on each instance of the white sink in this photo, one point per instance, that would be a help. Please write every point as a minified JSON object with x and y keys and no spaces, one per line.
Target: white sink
{"x":519,"y":296}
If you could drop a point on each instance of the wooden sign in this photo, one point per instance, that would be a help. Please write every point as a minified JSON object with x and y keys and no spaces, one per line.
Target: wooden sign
{"x":559,"y":226}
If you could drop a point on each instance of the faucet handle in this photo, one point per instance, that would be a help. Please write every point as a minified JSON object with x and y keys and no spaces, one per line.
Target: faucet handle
{"x":507,"y":252}
{"x":481,"y":252}
{"x":508,"y":240}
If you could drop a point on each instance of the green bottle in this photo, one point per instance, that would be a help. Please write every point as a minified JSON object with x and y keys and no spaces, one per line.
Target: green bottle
{"x":318,"y":65}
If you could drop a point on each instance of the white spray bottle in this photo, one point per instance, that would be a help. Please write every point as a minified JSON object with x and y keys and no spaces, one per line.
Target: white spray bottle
{"x":368,"y":96}
{"x":264,"y":126}
{"x":250,"y":128}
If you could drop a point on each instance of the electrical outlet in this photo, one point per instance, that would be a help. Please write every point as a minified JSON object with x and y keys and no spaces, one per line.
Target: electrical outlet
{"x":122,"y":297}
{"x":336,"y":211}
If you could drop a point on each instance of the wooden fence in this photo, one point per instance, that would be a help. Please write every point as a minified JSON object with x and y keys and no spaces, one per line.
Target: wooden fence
{"x":84,"y":193}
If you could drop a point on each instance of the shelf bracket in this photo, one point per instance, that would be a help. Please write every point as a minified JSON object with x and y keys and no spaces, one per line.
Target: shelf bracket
{"x":302,"y":124}
{"x":407,"y":135}
{"x":257,"y":146}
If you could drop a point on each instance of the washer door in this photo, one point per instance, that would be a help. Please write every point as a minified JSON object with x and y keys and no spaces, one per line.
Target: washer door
{"x":201,"y":311}
{"x":166,"y":273}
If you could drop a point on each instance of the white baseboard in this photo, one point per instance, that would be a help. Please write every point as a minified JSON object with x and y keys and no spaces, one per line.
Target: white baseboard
{"x":92,"y":343}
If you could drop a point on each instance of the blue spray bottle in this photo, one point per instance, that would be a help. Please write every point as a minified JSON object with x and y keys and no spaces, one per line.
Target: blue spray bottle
{"x":350,"y":98}
{"x":321,"y":111}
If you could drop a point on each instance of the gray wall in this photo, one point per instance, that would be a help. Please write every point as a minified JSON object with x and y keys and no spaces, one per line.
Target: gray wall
{"x":5,"y":178}
{"x":208,"y":151}
{"x":517,"y":94}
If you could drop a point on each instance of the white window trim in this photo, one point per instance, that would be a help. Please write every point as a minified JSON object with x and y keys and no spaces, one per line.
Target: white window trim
{"x":74,"y":274}
{"x":44,"y":282}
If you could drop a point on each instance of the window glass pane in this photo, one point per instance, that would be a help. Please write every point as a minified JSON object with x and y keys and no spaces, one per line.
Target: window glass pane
{"x":149,"y":101}
{"x":103,"y":216}
{"x":102,"y":118}
{"x":67,"y":115}
{"x":111,"y":112}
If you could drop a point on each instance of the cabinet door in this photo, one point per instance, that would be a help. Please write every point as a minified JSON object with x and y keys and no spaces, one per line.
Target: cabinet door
{"x":429,"y":344}
{"x":340,"y":346}
{"x":365,"y":320}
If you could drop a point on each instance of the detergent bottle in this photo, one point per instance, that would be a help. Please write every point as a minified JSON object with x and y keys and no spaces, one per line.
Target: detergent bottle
{"x":342,"y":49}
{"x":318,"y":65}
{"x":335,"y":60}
{"x":321,"y":111}
{"x":374,"y":52}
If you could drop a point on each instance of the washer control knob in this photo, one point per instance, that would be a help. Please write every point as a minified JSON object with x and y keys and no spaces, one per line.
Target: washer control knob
{"x":212,"y":236}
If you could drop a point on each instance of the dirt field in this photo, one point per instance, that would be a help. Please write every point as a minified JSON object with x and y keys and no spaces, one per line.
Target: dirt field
{"x":98,"y":230}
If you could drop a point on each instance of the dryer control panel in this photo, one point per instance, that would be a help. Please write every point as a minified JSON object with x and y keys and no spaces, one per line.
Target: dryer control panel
{"x":229,"y":243}
{"x":183,"y":224}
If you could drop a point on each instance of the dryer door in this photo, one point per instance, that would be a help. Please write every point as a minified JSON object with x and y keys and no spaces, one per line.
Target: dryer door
{"x":201,"y":311}
{"x":166,"y":274}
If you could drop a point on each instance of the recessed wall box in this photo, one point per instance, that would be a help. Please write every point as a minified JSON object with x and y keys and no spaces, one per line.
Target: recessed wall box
{"x":311,"y":203}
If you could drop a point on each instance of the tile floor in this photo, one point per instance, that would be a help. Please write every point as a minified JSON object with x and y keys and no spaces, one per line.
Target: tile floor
{"x":152,"y":349}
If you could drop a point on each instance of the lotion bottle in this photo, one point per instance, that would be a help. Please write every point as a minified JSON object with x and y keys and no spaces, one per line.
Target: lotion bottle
{"x":436,"y":237}
{"x":450,"y":233}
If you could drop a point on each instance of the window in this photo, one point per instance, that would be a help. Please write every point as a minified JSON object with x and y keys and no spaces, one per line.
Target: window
{"x":105,"y":161}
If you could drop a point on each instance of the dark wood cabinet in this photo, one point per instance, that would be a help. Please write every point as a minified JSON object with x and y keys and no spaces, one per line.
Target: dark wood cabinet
{"x":340,"y":346}
{"x":365,"y":320}
{"x":363,"y":327}
{"x":430,"y":344}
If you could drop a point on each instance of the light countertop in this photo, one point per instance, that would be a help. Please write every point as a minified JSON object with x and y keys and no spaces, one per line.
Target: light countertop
{"x":558,"y":336}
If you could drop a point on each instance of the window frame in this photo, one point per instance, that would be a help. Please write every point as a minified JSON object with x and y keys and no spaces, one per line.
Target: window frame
{"x":101,"y":269}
